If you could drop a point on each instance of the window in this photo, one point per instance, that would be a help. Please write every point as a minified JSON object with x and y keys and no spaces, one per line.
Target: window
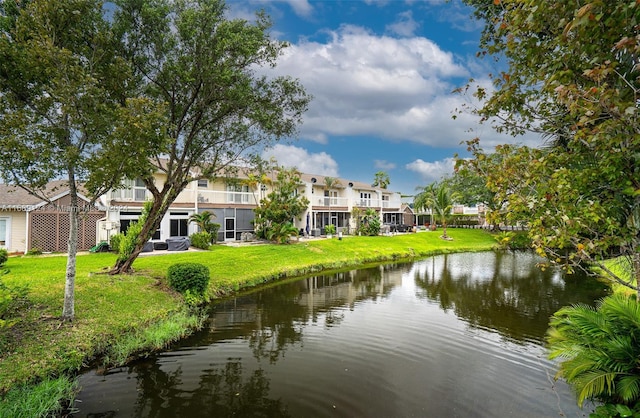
{"x":3,"y":231}
{"x":179,"y":228}
{"x":237,"y":193}
{"x":365,"y":199}
{"x":203,"y":183}
{"x":132,"y":190}
{"x":140,"y":191}
{"x":331,"y":198}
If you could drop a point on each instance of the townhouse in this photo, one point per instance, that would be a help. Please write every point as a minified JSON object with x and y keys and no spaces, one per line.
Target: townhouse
{"x":28,"y":222}
{"x":232,"y":201}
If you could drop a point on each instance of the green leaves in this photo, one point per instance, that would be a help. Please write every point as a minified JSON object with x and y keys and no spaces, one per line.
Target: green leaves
{"x":573,"y":78}
{"x":276,"y":212}
{"x":600,"y":349}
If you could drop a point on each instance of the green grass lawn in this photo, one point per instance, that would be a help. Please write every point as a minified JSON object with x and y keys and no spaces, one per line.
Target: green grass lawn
{"x":109,"y":307}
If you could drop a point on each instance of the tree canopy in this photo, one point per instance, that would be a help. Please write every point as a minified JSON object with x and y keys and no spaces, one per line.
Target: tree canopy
{"x":64,"y":108}
{"x":275,"y":215}
{"x":187,"y":57}
{"x":571,"y":73}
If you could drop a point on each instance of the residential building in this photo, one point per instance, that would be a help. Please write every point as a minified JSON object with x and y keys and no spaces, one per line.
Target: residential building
{"x":331,"y":201}
{"x":28,"y":222}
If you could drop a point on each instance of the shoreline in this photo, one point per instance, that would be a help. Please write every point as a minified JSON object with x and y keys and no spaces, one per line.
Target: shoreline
{"x":249,"y":267}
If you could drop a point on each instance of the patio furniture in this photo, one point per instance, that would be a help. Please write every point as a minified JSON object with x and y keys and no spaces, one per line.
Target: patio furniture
{"x":178,"y":243}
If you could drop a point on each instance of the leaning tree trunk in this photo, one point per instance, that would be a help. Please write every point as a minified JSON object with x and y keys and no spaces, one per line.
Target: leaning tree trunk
{"x":68,"y":308}
{"x":150,"y":225}
{"x":161,"y":202}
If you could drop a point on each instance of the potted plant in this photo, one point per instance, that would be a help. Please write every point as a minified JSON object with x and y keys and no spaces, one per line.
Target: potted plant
{"x":330,"y":230}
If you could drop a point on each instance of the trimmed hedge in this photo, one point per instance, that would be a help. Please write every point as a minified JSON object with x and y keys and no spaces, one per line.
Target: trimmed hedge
{"x":193,"y":277}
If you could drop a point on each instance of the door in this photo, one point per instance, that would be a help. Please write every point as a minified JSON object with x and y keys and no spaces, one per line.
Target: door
{"x":229,"y":229}
{"x":179,"y":228}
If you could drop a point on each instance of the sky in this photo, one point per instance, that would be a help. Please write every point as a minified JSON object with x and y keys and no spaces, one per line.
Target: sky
{"x":382,"y":75}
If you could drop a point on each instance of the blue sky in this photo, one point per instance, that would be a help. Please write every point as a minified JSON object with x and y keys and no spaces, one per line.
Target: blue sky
{"x":382,"y":74}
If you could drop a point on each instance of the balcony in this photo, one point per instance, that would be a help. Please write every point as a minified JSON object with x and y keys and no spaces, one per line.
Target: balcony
{"x":329,"y":201}
{"x":368,"y":203}
{"x":227,"y":198}
{"x":391,"y":204}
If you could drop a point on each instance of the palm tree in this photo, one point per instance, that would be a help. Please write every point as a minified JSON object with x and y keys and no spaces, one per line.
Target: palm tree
{"x":600,"y":348}
{"x":442,"y":203}
{"x":381,"y":179}
{"x":203,"y":220}
{"x":424,"y":199}
{"x":439,"y":199}
{"x":329,"y":184}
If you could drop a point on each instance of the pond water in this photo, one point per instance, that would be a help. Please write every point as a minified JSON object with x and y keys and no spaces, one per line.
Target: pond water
{"x":457,"y":335}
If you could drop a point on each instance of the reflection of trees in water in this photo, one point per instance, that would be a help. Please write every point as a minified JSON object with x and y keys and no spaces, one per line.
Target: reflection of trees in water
{"x":273,"y":318}
{"x":223,"y":391}
{"x":516,"y":305}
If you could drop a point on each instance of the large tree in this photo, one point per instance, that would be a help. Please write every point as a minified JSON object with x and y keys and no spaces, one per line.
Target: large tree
{"x":203,"y":67}
{"x":572,"y":73}
{"x":64,"y":113}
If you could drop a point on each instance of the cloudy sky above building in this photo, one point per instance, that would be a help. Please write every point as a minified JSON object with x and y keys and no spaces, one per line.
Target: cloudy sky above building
{"x":382,"y":74}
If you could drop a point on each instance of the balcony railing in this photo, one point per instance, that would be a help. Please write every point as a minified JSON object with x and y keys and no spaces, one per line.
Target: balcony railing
{"x":386,"y":204}
{"x":225,"y":197}
{"x":368,"y":203}
{"x":329,"y":201}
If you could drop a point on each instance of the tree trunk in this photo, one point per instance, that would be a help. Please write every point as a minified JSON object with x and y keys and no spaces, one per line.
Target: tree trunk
{"x":159,"y":208}
{"x":68,"y":309}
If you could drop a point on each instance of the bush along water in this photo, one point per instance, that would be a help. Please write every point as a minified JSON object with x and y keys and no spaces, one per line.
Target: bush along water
{"x":191,"y":280}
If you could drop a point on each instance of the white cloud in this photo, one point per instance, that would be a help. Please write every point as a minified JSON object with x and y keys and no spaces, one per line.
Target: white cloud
{"x":431,"y":171}
{"x":301,"y":7}
{"x":384,"y":165}
{"x":312,"y":163}
{"x":404,"y":25}
{"x":397,"y":89}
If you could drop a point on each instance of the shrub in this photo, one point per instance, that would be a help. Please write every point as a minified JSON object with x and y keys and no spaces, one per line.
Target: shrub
{"x":34,"y":251}
{"x":115,"y":240}
{"x":330,"y":229}
{"x":4,"y":256}
{"x":201,"y":240}
{"x":128,"y":241}
{"x":281,"y":233}
{"x":188,"y":276}
{"x":369,"y":223}
{"x":513,"y":240}
{"x":214,"y":227}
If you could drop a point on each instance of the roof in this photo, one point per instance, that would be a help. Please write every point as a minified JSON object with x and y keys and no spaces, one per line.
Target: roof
{"x":17,"y":198}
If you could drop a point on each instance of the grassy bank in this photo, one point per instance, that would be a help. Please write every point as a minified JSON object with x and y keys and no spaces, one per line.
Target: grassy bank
{"x":113,"y":311}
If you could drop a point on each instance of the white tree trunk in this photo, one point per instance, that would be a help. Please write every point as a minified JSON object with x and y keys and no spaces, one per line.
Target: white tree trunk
{"x":68,"y":309}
